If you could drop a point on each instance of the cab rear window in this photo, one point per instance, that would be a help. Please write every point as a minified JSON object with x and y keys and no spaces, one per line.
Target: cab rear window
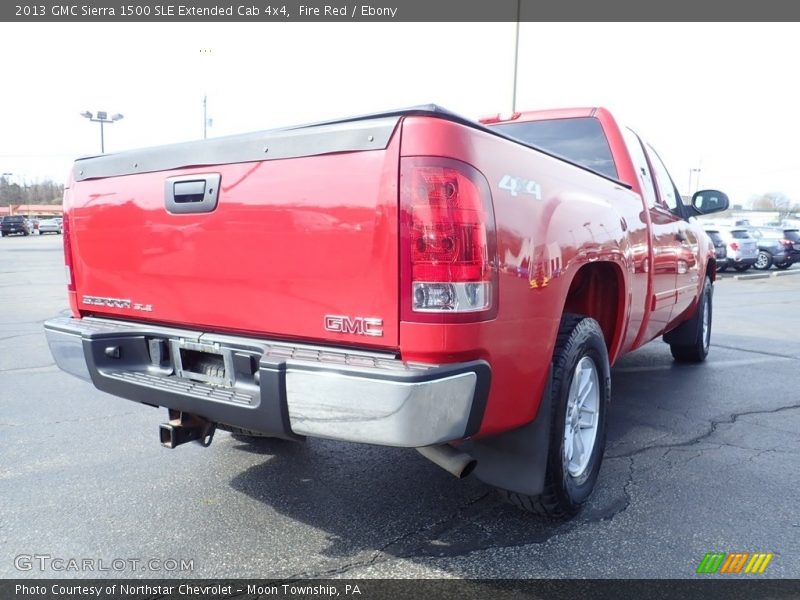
{"x":580,"y":140}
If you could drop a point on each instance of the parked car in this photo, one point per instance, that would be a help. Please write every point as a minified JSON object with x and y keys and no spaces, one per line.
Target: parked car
{"x":720,"y":249}
{"x":742,"y":248}
{"x":16,"y":224}
{"x":792,"y":235}
{"x":774,"y":248}
{"x":54,"y":225}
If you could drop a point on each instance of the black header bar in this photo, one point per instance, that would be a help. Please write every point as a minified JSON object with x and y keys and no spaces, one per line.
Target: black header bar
{"x":343,"y":11}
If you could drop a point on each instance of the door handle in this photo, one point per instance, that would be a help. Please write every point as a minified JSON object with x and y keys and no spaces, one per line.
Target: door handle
{"x":191,"y":193}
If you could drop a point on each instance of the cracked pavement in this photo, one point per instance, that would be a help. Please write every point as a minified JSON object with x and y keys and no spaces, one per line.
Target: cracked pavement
{"x":699,"y":458}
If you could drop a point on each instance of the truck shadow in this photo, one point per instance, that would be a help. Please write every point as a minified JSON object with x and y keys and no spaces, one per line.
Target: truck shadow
{"x":373,"y":501}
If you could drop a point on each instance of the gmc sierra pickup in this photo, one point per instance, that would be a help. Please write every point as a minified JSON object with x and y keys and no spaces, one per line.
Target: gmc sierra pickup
{"x":410,"y":279}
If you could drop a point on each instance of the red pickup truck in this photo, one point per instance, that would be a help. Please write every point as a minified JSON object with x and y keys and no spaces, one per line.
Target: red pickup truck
{"x":410,"y":279}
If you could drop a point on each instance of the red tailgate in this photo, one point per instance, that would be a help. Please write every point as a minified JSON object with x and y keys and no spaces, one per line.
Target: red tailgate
{"x":290,"y":241}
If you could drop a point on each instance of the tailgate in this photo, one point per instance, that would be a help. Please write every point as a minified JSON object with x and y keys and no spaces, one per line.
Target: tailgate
{"x":289,"y":234}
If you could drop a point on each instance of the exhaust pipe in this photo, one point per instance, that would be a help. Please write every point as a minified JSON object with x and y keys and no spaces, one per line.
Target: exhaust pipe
{"x":451,"y":460}
{"x":185,"y":427}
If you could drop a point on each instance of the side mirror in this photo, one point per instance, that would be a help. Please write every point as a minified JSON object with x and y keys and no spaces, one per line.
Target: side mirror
{"x":706,"y":202}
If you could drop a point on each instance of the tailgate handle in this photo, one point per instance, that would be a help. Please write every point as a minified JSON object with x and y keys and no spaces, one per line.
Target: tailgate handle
{"x":191,"y":193}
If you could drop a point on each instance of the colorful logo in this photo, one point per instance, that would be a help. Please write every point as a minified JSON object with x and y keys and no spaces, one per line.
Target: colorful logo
{"x":734,"y":563}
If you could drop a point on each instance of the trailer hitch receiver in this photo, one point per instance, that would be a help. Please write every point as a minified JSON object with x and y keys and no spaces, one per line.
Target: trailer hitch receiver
{"x":185,"y":427}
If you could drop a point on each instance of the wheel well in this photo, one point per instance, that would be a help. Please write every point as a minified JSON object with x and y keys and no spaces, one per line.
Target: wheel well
{"x":595,"y":292}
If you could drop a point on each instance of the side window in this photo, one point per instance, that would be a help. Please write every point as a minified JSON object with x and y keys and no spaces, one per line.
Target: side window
{"x":664,"y":185}
{"x":642,"y":168}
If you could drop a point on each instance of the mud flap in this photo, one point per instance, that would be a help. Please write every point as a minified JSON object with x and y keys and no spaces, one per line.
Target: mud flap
{"x":687,"y":332}
{"x":517,"y":460}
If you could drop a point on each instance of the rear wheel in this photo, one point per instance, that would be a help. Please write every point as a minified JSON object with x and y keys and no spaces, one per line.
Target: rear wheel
{"x":698,"y":331}
{"x":579,"y":395}
{"x":764,"y":261}
{"x":722,"y":269}
{"x":784,"y":266}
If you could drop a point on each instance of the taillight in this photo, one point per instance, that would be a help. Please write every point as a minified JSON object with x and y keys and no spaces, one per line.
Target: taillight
{"x":448,"y":242}
{"x":734,"y":246}
{"x":786,"y":242}
{"x":65,"y":230}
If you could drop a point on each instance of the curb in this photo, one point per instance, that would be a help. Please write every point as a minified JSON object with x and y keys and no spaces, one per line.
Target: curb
{"x":785,"y":273}
{"x":765,"y":275}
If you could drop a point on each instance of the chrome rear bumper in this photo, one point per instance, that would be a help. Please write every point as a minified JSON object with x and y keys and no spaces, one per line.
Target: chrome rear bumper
{"x":280,"y":389}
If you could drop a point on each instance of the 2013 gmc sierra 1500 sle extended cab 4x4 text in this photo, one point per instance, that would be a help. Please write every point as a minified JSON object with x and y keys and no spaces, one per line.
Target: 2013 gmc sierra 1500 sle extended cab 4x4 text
{"x":410,"y":279}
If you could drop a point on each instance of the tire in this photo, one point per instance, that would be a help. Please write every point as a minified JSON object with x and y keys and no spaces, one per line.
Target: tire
{"x":697,"y":330}
{"x":741,"y":268}
{"x":784,"y":266}
{"x":571,"y":475}
{"x":764,"y":261}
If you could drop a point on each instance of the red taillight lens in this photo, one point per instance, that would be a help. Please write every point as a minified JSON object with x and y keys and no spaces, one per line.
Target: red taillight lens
{"x":734,"y":246}
{"x":65,"y":231}
{"x":448,"y":241}
{"x":786,"y":242}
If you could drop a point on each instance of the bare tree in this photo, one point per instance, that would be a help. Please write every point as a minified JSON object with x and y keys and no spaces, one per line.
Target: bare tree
{"x":778,"y":202}
{"x":39,"y":192}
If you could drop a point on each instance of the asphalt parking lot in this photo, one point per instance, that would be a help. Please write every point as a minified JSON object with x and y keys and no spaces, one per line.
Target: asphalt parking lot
{"x":699,"y":459}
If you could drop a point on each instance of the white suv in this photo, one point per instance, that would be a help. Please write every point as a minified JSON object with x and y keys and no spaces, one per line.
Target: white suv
{"x":742,"y":248}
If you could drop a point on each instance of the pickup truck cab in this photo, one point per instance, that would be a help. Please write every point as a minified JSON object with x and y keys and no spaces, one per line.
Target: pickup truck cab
{"x":411,"y":279}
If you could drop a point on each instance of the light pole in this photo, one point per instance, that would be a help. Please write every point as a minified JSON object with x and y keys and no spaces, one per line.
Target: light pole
{"x":697,"y":182}
{"x":6,"y":180}
{"x":102,"y":118}
{"x":205,"y":116}
{"x":516,"y":60}
{"x":206,"y":121}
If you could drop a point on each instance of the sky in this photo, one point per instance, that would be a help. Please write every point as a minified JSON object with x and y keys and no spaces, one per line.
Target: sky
{"x":715,"y":97}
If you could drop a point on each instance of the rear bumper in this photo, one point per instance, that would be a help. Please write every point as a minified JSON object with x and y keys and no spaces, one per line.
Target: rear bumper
{"x":286,"y":390}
